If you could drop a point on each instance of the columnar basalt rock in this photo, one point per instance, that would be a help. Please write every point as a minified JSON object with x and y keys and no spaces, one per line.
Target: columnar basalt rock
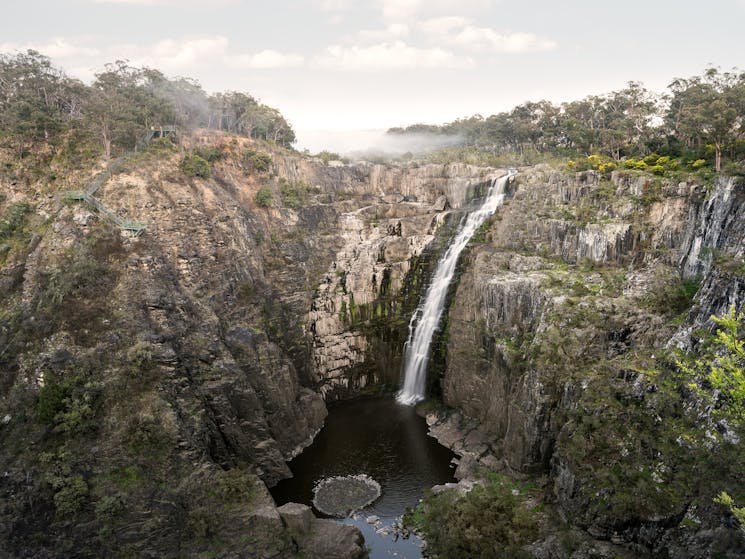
{"x":570,"y":284}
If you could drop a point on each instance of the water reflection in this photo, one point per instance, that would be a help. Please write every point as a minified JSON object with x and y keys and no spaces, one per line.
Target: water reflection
{"x":380,"y":438}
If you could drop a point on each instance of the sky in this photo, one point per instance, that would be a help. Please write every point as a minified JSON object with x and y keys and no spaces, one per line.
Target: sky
{"x":349,"y":65}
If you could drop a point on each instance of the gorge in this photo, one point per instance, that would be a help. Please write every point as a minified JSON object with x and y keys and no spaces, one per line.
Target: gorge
{"x":155,"y":387}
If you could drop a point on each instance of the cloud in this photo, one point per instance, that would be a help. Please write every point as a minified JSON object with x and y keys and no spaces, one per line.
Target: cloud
{"x":460,"y":32}
{"x":401,"y":10}
{"x":56,"y":47}
{"x":387,"y":56}
{"x":206,"y":3}
{"x":334,"y":5}
{"x":177,"y":55}
{"x":266,"y":59}
{"x":174,"y":55}
{"x":392,"y":32}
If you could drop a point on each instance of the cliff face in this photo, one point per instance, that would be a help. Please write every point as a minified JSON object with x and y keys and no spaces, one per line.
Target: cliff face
{"x":151,"y":386}
{"x":359,"y":315}
{"x":559,"y":314}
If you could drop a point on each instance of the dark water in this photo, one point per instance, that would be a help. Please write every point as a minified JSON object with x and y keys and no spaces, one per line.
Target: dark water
{"x":385,"y":440}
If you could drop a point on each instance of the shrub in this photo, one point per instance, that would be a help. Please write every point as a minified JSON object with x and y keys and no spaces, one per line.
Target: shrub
{"x":68,"y":405}
{"x":51,"y":399}
{"x":327,"y":156}
{"x":263,"y":197}
{"x":161,"y":145}
{"x":488,"y":522}
{"x":195,"y":166}
{"x":721,"y":366}
{"x":13,"y":219}
{"x":672,"y":294}
{"x":296,"y":195}
{"x":71,"y":497}
{"x":261,"y":161}
{"x":210,"y":153}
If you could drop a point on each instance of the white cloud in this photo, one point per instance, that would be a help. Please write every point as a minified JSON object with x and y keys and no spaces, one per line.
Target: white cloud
{"x":460,"y":32}
{"x":56,"y":47}
{"x":387,"y":56}
{"x":441,"y":26}
{"x":393,"y":31}
{"x":207,"y":3}
{"x":171,"y":55}
{"x":177,"y":54}
{"x":266,"y":59}
{"x":334,"y":5}
{"x":400,"y":10}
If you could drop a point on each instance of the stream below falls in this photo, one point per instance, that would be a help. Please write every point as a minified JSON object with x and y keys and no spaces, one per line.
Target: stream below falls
{"x":386,"y":441}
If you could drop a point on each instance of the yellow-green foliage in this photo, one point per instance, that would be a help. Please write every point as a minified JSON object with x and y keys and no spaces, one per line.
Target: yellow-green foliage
{"x":738,"y":512}
{"x":596,"y":162}
{"x":722,"y":365}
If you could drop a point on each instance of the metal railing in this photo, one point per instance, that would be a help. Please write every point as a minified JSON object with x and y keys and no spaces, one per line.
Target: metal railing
{"x":87,"y":195}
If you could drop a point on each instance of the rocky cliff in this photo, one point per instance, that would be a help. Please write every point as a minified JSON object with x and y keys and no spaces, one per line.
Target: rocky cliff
{"x":152,"y":386}
{"x":557,"y":327}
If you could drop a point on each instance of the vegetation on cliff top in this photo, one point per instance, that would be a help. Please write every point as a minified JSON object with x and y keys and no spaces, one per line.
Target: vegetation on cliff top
{"x":699,"y":119}
{"x":52,"y":119}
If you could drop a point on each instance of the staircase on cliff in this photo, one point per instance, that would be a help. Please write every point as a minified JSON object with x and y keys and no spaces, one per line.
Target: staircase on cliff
{"x":88,"y":195}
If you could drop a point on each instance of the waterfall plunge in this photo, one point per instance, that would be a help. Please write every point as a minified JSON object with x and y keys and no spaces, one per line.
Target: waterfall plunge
{"x":426,"y":318}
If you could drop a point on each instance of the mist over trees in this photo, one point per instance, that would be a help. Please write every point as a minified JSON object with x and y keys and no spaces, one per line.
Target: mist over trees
{"x":702,"y":117}
{"x":44,"y":110}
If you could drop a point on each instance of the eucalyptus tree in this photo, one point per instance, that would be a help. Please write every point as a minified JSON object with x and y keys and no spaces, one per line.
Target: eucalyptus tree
{"x":707,"y":109}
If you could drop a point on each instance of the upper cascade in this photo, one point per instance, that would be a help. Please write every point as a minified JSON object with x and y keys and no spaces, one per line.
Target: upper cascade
{"x":426,"y":318}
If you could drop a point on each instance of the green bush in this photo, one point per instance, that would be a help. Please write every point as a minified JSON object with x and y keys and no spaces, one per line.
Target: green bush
{"x":671,"y":294}
{"x":210,"y":153}
{"x":263,"y":197}
{"x":296,"y":195}
{"x":490,"y":521}
{"x":68,"y":405}
{"x":71,"y":497}
{"x":327,"y":156}
{"x":195,"y":166}
{"x":256,"y":161}
{"x":13,"y":219}
{"x":52,"y":398}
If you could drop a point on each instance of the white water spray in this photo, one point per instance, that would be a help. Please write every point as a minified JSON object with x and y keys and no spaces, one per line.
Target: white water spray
{"x":426,"y":318}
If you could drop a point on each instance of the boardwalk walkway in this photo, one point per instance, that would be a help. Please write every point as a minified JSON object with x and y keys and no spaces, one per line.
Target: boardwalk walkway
{"x":88,"y":195}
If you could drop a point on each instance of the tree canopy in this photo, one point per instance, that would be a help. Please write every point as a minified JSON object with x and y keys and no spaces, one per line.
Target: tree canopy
{"x":43,"y":108}
{"x":698,"y":117}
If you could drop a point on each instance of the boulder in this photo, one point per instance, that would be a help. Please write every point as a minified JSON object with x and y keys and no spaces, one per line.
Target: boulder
{"x":298,"y":518}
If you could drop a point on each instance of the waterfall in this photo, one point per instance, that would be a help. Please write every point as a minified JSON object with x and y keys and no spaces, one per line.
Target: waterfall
{"x":426,"y":318}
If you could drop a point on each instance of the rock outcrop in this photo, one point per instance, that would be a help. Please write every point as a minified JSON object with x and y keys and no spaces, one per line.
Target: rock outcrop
{"x":575,"y":289}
